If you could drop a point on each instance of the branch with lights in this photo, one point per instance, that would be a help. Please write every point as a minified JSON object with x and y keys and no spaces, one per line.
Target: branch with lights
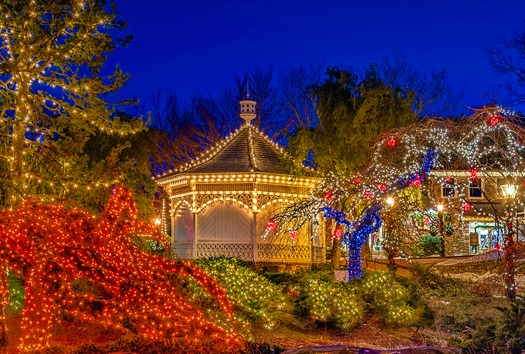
{"x":487,"y":145}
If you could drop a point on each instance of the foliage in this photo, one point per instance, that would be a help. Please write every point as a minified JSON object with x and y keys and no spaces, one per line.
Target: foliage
{"x":16,"y":294}
{"x":387,"y":297}
{"x":351,"y":114}
{"x":428,"y":245}
{"x":53,"y":246}
{"x":55,"y":97}
{"x":256,"y":300}
{"x":328,"y":302}
{"x":346,"y":304}
{"x":454,"y":303}
{"x":504,"y":336}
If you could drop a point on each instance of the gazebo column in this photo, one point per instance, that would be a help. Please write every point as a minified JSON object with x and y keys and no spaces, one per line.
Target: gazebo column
{"x":172,"y":221}
{"x":254,"y":238}
{"x":195,"y":234}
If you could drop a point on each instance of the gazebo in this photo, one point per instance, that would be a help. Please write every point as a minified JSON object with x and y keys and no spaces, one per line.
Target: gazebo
{"x":220,"y":204}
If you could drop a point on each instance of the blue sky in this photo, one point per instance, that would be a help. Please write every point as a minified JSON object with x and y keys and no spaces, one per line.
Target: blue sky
{"x":197,"y":46}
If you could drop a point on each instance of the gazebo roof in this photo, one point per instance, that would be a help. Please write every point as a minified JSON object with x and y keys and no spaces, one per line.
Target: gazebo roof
{"x":247,"y":150}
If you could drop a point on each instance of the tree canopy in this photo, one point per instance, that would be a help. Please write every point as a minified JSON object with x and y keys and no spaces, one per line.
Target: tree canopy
{"x":352,"y":112}
{"x":509,"y":59}
{"x":56,"y":94}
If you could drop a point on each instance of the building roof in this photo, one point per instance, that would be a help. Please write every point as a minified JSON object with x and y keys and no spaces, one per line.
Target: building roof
{"x":247,"y":150}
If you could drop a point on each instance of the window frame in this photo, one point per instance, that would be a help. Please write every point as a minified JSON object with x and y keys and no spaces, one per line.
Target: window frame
{"x":449,"y":186}
{"x":479,"y":187}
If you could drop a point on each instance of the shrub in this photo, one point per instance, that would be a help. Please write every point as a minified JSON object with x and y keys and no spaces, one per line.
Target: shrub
{"x":507,"y":335}
{"x":387,"y":297}
{"x":325,"y":301}
{"x":16,"y":294}
{"x":427,"y":246}
{"x":456,"y":307}
{"x":256,"y":300}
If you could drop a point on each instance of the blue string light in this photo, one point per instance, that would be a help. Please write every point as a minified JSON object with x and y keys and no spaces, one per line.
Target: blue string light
{"x":370,"y":223}
{"x":426,"y":166}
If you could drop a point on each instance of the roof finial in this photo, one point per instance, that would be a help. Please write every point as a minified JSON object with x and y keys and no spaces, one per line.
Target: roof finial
{"x":248,"y":106}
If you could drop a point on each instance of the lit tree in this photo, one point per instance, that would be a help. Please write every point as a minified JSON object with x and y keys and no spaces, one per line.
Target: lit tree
{"x":488,"y":145}
{"x":351,"y":113}
{"x":53,"y":96}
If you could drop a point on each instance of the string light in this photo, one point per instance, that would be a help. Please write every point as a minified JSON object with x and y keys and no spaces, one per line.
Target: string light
{"x":52,"y":246}
{"x":487,"y":145}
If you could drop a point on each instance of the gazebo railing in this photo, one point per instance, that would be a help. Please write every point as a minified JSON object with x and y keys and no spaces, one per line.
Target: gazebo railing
{"x":271,"y":253}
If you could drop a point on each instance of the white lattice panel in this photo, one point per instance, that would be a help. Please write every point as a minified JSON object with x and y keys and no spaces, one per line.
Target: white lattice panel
{"x":183,"y":249}
{"x":225,"y":223}
{"x":212,"y":249}
{"x":283,"y":253}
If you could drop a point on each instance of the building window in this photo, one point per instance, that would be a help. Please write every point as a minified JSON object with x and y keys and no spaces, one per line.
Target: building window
{"x":447,"y":188}
{"x":475,"y":189}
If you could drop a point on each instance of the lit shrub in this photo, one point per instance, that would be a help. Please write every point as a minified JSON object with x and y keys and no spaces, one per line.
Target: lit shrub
{"x":256,"y":300}
{"x":16,"y":294}
{"x":386,"y":296}
{"x":328,"y":302}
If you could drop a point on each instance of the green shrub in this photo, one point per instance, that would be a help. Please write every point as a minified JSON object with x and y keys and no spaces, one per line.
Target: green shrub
{"x":325,"y":301}
{"x":507,"y":335}
{"x":428,"y":245}
{"x":256,"y":300}
{"x":387,"y":297}
{"x":16,"y":294}
{"x":455,"y":306}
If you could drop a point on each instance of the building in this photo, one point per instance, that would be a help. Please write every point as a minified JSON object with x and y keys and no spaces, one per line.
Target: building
{"x":478,"y":209}
{"x":220,"y":204}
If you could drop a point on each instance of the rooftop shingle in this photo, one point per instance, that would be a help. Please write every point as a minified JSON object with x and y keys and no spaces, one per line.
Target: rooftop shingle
{"x":248,"y":150}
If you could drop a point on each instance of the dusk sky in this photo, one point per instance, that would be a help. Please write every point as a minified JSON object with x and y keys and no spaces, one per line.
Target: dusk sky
{"x":197,"y":46}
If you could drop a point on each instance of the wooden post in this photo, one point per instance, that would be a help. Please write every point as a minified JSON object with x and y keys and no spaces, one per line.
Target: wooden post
{"x":195,"y":235}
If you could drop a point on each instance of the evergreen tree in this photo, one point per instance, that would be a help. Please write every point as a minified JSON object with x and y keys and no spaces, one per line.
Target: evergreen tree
{"x":351,"y":114}
{"x":54,"y":96}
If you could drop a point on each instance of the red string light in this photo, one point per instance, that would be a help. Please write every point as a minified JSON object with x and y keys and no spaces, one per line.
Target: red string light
{"x":391,"y":141}
{"x":338,"y":233}
{"x":329,"y":195}
{"x":51,"y":246}
{"x":493,"y":120}
{"x":272,"y":225}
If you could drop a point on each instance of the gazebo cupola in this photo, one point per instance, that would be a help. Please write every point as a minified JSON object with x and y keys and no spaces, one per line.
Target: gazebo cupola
{"x":221,"y":202}
{"x":248,"y":109}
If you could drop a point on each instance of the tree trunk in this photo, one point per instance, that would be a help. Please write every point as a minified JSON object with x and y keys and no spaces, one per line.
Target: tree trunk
{"x":336,"y":253}
{"x":18,"y":138}
{"x":508,"y":261}
{"x":392,"y":266}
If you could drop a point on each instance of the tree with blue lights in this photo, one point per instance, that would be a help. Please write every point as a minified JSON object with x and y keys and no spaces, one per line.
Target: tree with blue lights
{"x":487,"y":145}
